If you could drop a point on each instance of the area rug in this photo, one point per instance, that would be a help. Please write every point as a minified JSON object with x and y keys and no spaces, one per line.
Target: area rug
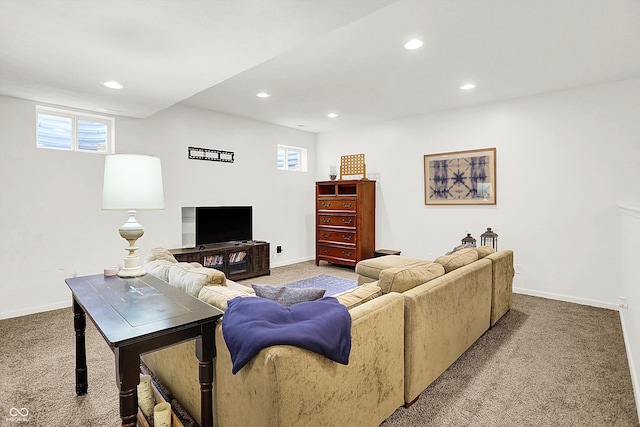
{"x":333,"y":285}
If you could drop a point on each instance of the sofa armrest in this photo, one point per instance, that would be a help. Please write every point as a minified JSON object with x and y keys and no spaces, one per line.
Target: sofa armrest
{"x":286,"y":385}
{"x":503,"y":272}
{"x":443,"y":318}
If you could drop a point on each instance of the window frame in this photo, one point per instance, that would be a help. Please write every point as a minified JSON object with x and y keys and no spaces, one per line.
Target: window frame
{"x":301,"y":165}
{"x":75,"y":117}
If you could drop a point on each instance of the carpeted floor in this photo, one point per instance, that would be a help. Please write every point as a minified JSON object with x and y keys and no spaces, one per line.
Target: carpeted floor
{"x":545,"y":363}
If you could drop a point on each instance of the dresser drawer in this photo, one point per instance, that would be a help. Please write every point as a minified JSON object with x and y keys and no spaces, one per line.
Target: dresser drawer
{"x":336,"y":235}
{"x":339,"y":253}
{"x":334,"y":220}
{"x":343,"y":205}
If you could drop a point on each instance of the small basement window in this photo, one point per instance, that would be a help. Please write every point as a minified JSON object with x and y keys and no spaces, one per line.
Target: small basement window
{"x":292,"y":158}
{"x":59,"y":129}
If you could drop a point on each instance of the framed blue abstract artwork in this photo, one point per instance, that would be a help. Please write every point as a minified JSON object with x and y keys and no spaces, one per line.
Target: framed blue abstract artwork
{"x":460,"y":178}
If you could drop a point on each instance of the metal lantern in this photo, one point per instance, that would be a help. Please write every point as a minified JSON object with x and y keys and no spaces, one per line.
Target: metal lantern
{"x":489,"y":238}
{"x":469,"y":241}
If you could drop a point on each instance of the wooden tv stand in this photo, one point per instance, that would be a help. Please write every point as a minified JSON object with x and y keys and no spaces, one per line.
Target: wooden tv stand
{"x":237,"y":260}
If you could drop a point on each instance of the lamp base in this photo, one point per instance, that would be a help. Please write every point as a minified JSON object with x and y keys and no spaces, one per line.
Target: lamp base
{"x":132,"y":272}
{"x":131,"y":231}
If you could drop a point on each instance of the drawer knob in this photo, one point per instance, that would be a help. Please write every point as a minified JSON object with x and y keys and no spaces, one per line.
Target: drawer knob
{"x":347,"y":221}
{"x":347,"y":205}
{"x":345,"y":253}
{"x":347,"y":237}
{"x":326,"y":220}
{"x":325,"y":250}
{"x":326,"y":235}
{"x":326,"y":204}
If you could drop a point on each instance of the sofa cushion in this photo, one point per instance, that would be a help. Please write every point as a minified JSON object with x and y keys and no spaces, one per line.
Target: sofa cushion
{"x":288,"y":296}
{"x":483,"y":251}
{"x":373,"y":266}
{"x":458,"y":259}
{"x":359,"y":295}
{"x":191,"y":279}
{"x":161,"y":254}
{"x":159,"y":268}
{"x":247,"y":289}
{"x":218,"y":296}
{"x":405,"y":278}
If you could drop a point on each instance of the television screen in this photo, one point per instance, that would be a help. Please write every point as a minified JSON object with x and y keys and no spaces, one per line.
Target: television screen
{"x":217,"y":224}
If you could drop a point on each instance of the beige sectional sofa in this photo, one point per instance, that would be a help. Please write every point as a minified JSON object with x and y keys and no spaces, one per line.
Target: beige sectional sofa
{"x":449,"y":304}
{"x":411,"y":319}
{"x":286,"y":385}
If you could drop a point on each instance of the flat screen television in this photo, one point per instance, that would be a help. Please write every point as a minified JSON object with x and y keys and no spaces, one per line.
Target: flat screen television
{"x":218,"y":224}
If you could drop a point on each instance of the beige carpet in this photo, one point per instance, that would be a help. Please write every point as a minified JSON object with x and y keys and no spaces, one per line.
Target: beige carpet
{"x":546,"y":363}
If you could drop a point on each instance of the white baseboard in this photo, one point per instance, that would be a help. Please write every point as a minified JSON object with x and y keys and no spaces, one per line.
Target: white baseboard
{"x":33,"y":310}
{"x":291,"y":261}
{"x":635,"y":381}
{"x":566,"y":298}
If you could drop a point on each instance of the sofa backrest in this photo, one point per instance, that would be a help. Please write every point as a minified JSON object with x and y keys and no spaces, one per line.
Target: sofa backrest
{"x":458,"y":259}
{"x":190,"y":277}
{"x":400,"y":279}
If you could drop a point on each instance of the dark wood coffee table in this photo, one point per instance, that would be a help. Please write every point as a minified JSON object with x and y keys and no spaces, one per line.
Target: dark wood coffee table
{"x":137,"y":315}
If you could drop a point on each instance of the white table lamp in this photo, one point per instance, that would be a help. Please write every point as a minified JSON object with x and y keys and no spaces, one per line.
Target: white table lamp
{"x":132,"y":182}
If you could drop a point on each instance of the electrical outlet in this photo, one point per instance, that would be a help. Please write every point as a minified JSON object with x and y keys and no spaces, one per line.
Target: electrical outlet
{"x":623,"y":302}
{"x":279,"y":249}
{"x":518,"y":268}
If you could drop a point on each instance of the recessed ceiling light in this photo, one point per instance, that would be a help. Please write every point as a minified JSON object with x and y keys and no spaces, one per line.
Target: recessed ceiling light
{"x":467,"y":86}
{"x":263,"y":95}
{"x":413,"y":44}
{"x":112,"y":85}
{"x":332,"y":115}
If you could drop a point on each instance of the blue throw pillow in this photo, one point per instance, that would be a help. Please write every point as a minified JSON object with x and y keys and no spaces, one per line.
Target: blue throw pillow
{"x":288,"y":296}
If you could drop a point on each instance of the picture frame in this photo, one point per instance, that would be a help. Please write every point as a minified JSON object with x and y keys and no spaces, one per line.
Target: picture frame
{"x":460,"y":177}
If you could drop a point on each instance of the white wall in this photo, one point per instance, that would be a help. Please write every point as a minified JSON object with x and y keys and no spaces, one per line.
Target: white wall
{"x":630,"y":219}
{"x":565,"y":161}
{"x":52,"y":225}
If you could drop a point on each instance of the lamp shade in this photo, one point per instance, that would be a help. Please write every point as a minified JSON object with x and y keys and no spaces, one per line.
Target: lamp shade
{"x":132,"y":181}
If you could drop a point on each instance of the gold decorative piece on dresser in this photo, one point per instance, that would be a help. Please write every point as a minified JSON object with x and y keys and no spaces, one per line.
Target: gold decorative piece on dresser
{"x":345,"y":221}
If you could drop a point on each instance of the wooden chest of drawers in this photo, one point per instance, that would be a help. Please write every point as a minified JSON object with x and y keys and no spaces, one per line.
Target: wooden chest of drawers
{"x":345,"y":221}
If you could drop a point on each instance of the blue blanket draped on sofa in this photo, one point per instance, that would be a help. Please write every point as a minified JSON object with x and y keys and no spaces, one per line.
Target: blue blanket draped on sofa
{"x":251,"y":324}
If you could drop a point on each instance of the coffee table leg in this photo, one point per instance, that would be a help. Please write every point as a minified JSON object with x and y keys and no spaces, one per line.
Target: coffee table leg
{"x":80,"y":324}
{"x":205,"y":352}
{"x":128,"y":377}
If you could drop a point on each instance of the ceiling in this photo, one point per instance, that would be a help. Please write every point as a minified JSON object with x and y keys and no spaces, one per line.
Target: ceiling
{"x":312,"y":56}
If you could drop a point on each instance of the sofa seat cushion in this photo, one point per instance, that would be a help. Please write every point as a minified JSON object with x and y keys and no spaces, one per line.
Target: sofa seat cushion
{"x":191,"y":279}
{"x":359,"y":295}
{"x":400,"y":279}
{"x":372,"y":267}
{"x":458,"y":259}
{"x":218,"y":296}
